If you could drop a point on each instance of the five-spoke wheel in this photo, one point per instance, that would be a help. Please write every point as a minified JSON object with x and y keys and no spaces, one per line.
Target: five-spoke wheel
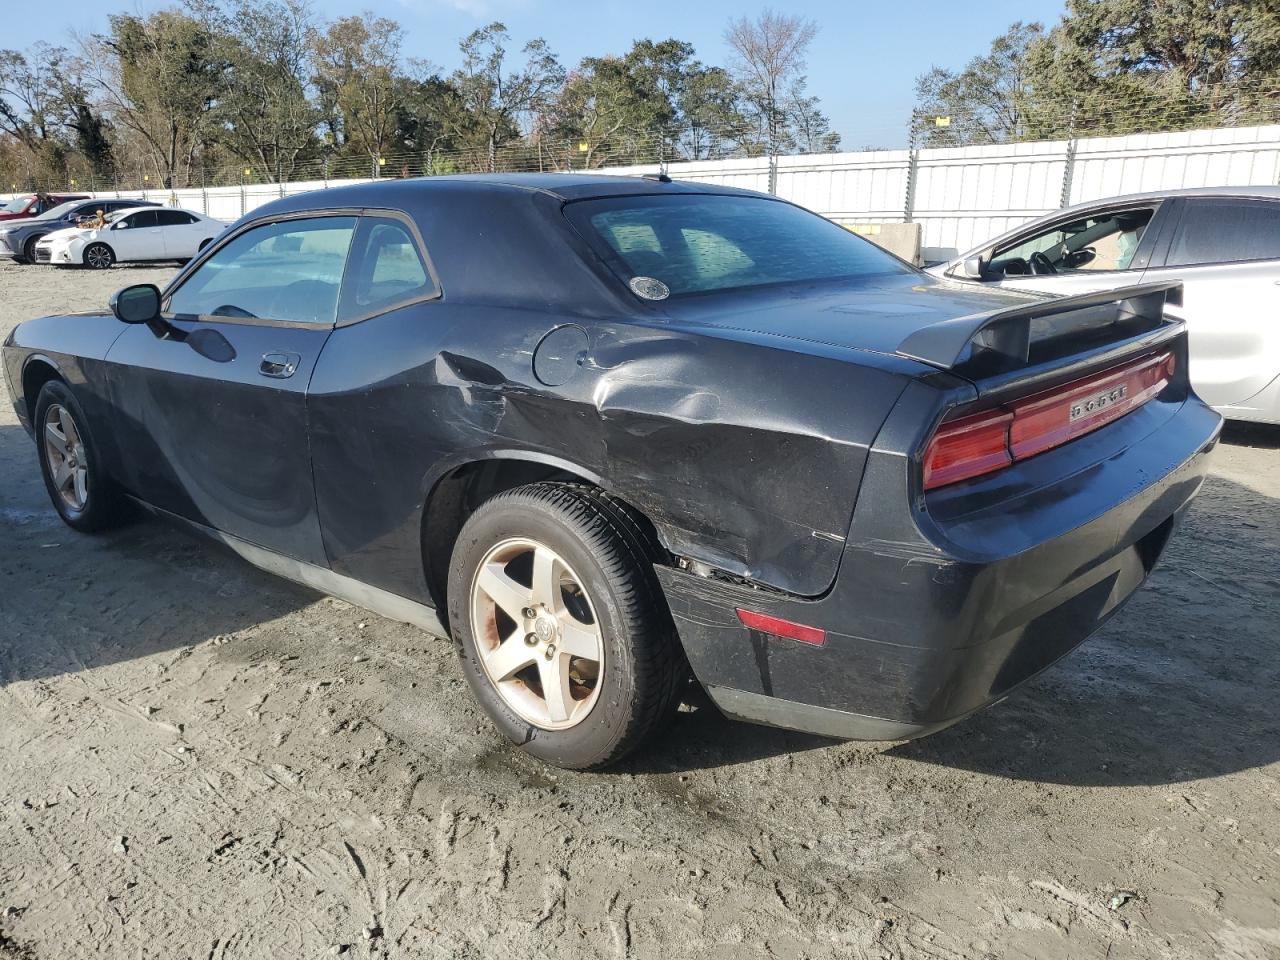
{"x":81,"y":493}
{"x":65,"y":453}
{"x":564,"y":635}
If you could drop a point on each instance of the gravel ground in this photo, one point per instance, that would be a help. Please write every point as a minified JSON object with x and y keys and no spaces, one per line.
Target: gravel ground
{"x":198,"y":760}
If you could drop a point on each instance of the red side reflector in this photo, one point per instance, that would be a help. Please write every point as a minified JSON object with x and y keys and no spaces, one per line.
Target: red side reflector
{"x":782,"y":628}
{"x":968,"y":447}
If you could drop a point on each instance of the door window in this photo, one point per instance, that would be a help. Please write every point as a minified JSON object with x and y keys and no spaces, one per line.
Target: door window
{"x":174,"y":218}
{"x":1223,"y":231}
{"x":1104,"y":241}
{"x":289,"y":271}
{"x":136,"y":221}
{"x":387,"y":269}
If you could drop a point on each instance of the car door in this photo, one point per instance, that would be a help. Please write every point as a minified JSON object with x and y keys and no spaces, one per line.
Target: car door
{"x":1081,"y":253}
{"x":136,"y":236}
{"x":214,"y":415}
{"x":1226,"y":252}
{"x":178,"y":232}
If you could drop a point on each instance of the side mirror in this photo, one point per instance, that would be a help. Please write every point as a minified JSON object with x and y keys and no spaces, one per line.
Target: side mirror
{"x":137,"y":304}
{"x":971,"y":269}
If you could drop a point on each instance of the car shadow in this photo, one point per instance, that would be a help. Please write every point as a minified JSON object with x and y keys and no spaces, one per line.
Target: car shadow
{"x":1262,"y":435}
{"x":71,"y":601}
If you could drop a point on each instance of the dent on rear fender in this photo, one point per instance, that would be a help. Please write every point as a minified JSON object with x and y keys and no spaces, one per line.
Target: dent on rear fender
{"x":745,"y":457}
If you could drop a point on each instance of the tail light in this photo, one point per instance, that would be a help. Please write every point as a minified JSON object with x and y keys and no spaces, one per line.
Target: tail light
{"x":981,"y":443}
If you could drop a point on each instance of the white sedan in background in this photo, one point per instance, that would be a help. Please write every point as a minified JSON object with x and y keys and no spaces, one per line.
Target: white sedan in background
{"x":137,"y":234}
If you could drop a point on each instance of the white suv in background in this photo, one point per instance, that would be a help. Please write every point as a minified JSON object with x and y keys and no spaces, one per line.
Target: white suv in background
{"x":1223,"y":243}
{"x":131,"y":235}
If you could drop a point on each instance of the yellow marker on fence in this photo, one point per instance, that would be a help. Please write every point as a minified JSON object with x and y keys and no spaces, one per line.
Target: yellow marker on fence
{"x":382,"y":161}
{"x":942,"y":121}
{"x":583,"y":147}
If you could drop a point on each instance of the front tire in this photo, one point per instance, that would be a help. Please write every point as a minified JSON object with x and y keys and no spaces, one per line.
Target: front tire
{"x":72,"y":470}
{"x":563,"y":632}
{"x":98,"y":256}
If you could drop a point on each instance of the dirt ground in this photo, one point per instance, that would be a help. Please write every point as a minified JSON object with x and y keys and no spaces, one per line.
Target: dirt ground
{"x":200,"y":761}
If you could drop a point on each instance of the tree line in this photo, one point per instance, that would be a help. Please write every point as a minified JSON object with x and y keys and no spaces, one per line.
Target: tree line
{"x":218,"y":90}
{"x":1111,"y":67}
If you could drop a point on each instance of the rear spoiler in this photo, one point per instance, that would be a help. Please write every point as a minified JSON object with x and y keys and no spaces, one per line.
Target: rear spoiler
{"x":1009,"y":336}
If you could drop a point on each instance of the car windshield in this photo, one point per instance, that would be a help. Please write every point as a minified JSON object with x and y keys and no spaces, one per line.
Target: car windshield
{"x":699,"y":243}
{"x":60,"y":211}
{"x":16,"y":205}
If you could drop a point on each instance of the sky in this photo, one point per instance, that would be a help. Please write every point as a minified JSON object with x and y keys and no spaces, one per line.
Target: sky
{"x":862,"y":65}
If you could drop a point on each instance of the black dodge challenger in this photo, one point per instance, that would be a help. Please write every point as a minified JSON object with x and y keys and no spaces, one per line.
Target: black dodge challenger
{"x":611,"y":433}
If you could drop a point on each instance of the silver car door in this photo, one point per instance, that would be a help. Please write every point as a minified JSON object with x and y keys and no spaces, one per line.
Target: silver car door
{"x":1226,"y":251}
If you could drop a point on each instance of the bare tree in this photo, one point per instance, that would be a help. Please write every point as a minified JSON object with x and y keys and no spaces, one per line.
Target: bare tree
{"x":769,"y":56}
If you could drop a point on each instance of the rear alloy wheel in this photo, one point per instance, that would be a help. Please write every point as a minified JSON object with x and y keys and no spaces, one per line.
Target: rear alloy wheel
{"x":81,"y":493}
{"x":564,"y":635}
{"x":29,"y":251}
{"x":539,"y":644}
{"x":98,"y":256}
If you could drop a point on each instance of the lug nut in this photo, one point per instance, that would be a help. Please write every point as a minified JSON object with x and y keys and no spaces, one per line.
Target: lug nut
{"x":529,"y":613}
{"x":531,"y":639}
{"x":551,"y":651}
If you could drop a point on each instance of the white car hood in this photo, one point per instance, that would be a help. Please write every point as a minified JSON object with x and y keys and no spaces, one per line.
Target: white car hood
{"x":67,"y":234}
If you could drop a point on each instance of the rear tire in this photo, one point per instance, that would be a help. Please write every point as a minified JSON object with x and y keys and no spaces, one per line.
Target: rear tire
{"x":70,"y":464}
{"x":98,"y":256}
{"x":29,"y":251}
{"x":604,"y":592}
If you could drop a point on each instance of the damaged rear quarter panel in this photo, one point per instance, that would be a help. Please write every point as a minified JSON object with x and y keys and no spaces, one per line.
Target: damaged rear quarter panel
{"x":744,"y":456}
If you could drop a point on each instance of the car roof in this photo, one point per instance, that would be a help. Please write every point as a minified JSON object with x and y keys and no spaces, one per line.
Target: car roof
{"x":154,"y":206}
{"x":563,"y":186}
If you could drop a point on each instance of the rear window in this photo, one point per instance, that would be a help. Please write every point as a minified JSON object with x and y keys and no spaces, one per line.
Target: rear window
{"x":699,"y":243}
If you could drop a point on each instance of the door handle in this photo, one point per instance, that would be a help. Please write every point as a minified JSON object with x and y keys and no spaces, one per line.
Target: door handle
{"x":279,"y":365}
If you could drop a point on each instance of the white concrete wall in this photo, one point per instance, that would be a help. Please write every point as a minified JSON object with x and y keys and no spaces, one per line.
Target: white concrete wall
{"x":961,"y":195}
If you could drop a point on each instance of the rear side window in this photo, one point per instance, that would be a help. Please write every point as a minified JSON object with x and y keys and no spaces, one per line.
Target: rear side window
{"x":289,"y":271}
{"x":1223,"y":231}
{"x":387,"y":269}
{"x":174,"y":218}
{"x":699,"y":243}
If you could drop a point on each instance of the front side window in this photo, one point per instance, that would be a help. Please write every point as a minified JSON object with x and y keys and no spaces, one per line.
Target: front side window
{"x":1105,"y":241}
{"x":1222,"y":231}
{"x":135,"y":221}
{"x":387,"y":270}
{"x":17,"y":205}
{"x":700,"y":243}
{"x":288,"y":271}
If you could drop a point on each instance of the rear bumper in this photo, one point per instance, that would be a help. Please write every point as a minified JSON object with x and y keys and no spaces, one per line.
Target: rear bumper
{"x":939,"y":611}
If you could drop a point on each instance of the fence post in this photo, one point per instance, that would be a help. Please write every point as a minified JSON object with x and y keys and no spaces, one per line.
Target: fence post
{"x":1068,"y":173}
{"x":913,"y":163}
{"x":773,"y":170}
{"x":909,"y":201}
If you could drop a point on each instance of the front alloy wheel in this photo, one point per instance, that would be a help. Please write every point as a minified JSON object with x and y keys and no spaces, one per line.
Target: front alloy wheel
{"x":82,"y":493}
{"x":65,"y":453}
{"x":98,"y":256}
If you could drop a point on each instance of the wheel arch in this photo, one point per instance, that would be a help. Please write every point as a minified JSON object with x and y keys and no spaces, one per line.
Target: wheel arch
{"x":457,"y":488}
{"x":36,"y":372}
